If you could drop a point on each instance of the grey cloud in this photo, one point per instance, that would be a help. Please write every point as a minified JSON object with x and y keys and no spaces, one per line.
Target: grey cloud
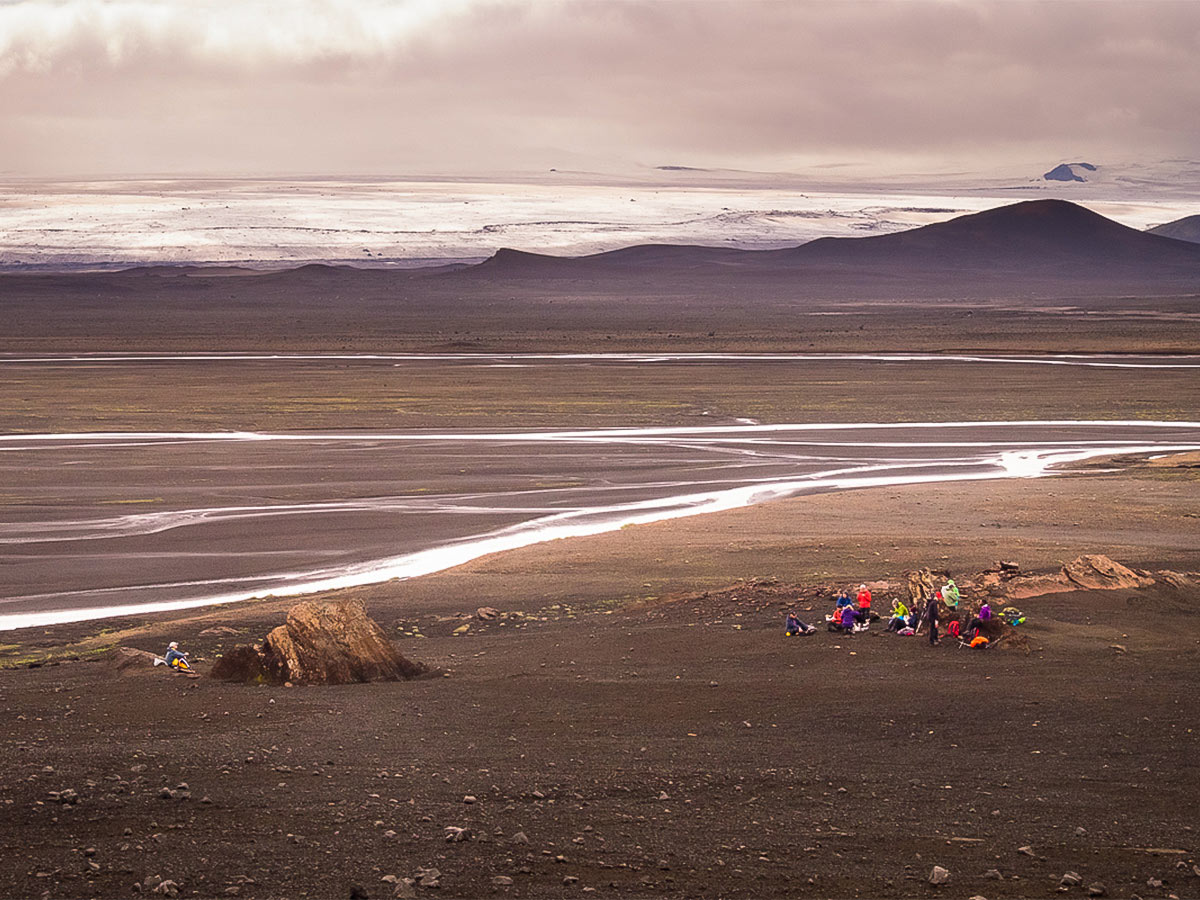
{"x":386,"y":87}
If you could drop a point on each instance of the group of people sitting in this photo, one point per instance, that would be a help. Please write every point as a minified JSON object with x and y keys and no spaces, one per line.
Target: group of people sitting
{"x":852,"y":615}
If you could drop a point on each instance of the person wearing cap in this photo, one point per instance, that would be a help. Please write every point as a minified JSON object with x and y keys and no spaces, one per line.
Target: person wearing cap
{"x":174,"y":658}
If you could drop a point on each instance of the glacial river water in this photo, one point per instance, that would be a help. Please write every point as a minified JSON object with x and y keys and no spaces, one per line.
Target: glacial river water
{"x":120,"y":523}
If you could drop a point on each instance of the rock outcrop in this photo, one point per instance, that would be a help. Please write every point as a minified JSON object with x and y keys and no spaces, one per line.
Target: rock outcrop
{"x":1099,"y":573}
{"x":321,"y":643}
{"x":128,"y":661}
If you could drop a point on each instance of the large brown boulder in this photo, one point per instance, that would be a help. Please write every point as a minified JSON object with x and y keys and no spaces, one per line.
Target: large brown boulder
{"x":332,"y":642}
{"x":1097,"y":572}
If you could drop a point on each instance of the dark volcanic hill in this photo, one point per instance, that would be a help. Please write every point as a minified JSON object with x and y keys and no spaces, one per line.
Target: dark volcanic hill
{"x":1053,"y":237}
{"x":1185,"y":229}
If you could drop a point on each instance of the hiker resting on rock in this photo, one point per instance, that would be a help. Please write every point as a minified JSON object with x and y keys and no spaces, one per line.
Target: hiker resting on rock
{"x":899,"y":616}
{"x":174,"y":658}
{"x":985,"y":615}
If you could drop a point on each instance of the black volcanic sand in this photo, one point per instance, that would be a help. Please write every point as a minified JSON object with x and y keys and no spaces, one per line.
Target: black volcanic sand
{"x":314,"y":395}
{"x":643,"y":666}
{"x":605,"y":699}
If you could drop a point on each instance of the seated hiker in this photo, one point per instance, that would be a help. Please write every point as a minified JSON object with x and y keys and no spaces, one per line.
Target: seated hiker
{"x":899,"y":616}
{"x":795,"y":626}
{"x":174,"y":658}
{"x":844,"y":620}
{"x":843,"y":599}
{"x":954,"y":629}
{"x":977,"y":622}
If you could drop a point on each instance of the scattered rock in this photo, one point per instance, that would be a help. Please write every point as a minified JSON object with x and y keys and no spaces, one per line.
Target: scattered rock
{"x":939,"y":875}
{"x":462,"y":629}
{"x":455,"y":834}
{"x":570,"y":879}
{"x":429,"y":878}
{"x":1097,"y":890}
{"x":519,"y":838}
{"x":1070,"y":879}
{"x":487,"y":613}
{"x":1026,"y":850}
{"x":167,"y":889}
{"x":469,"y":799}
{"x":501,"y":880}
{"x":1154,"y":882}
{"x":993,"y":875}
{"x":219,"y":630}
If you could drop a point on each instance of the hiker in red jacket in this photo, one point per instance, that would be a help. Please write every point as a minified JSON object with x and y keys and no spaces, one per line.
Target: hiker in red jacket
{"x":864,"y":604}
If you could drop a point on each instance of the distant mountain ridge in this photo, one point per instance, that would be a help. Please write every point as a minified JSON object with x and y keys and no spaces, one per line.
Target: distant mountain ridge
{"x":1185,"y":229}
{"x":1050,"y":236}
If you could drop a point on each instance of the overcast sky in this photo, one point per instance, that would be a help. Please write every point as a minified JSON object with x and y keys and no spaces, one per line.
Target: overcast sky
{"x":394,"y":87}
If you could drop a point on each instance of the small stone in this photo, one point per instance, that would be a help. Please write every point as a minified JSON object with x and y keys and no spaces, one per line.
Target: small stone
{"x":501,"y":880}
{"x":993,"y":875}
{"x":455,"y":834}
{"x":519,"y":838}
{"x":939,"y":875}
{"x":168,"y":889}
{"x":1154,"y":882}
{"x":404,"y":890}
{"x":1025,"y":851}
{"x":538,"y":795}
{"x":663,"y":795}
{"x":570,"y":879}
{"x":1070,"y":879}
{"x":470,"y":798}
{"x":1097,"y":890}
{"x":90,"y":851}
{"x":166,"y":794}
{"x":1080,"y":832}
{"x":150,"y":882}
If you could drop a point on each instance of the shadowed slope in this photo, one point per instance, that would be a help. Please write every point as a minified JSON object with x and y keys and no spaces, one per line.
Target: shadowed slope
{"x":1185,"y":229}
